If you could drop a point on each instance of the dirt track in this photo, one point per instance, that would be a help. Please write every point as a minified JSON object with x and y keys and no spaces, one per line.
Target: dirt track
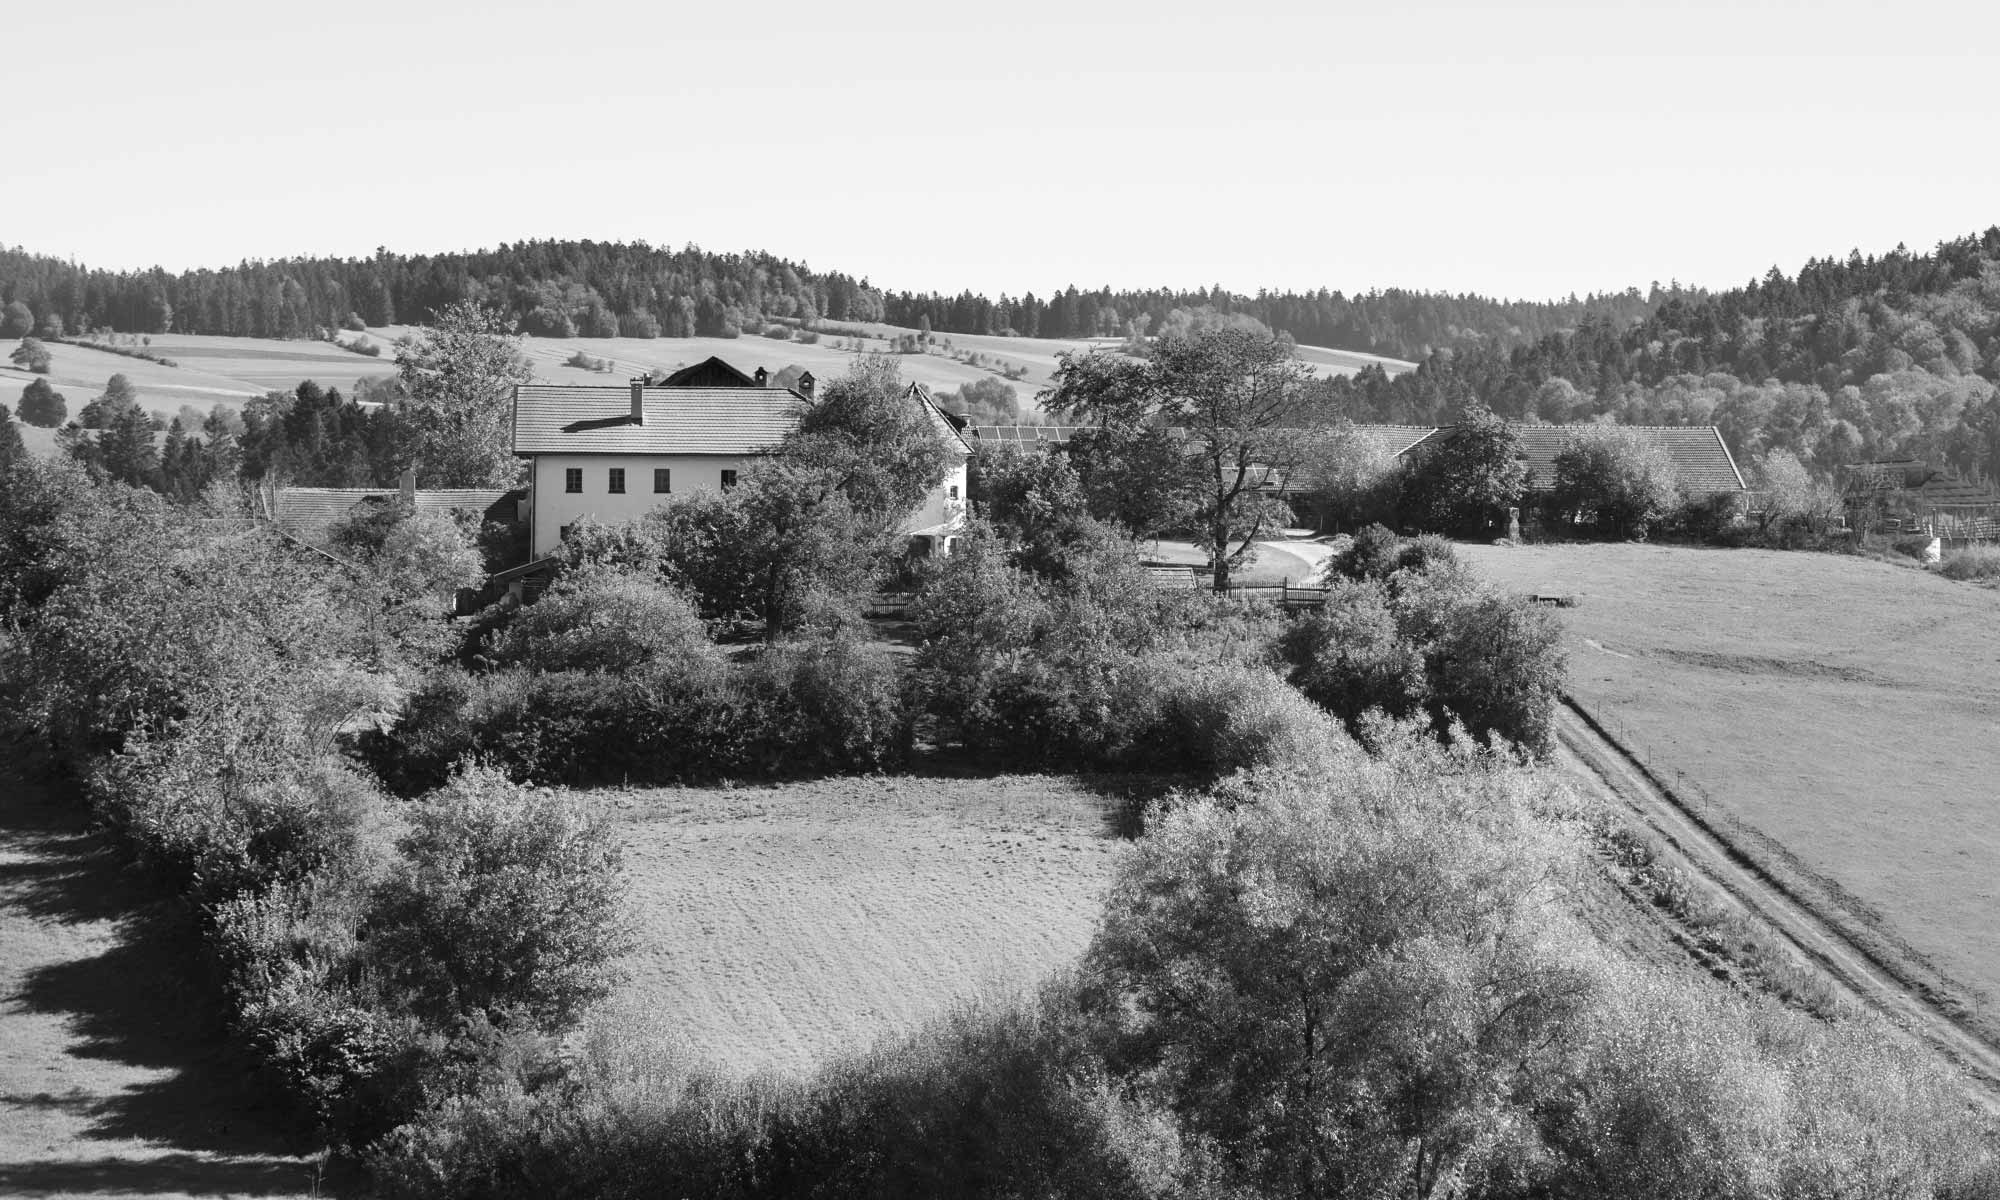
{"x":1601,"y":764}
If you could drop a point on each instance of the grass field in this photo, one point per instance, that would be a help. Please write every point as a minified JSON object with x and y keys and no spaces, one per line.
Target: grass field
{"x":1840,"y":716}
{"x":782,"y":925}
{"x":232,"y":370}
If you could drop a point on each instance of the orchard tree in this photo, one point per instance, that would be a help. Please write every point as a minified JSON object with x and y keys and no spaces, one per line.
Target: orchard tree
{"x":43,"y":405}
{"x":1238,"y":398}
{"x":458,"y":381}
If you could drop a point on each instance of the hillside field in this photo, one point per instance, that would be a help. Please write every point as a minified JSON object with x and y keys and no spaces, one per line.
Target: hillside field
{"x":1838,"y":718}
{"x":782,"y":925}
{"x":234,"y":370}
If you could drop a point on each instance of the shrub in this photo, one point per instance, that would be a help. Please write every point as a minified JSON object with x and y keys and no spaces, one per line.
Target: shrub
{"x":1373,"y":554}
{"x":1349,"y":656}
{"x":831,"y":703}
{"x":1497,"y":666}
{"x":1234,"y":717}
{"x":607,"y":619}
{"x":505,"y":904}
{"x":353,"y":323}
{"x":1971,"y":563}
{"x":587,"y":362}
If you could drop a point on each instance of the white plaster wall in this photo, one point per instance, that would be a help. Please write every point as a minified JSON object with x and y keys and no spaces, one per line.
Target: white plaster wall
{"x":940,"y":507}
{"x":555,"y":508}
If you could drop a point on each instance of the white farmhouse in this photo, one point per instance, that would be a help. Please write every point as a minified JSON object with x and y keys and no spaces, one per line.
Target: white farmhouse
{"x":612,"y":453}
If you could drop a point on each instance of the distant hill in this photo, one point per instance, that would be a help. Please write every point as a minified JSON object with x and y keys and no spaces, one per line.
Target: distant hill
{"x":1851,"y":359}
{"x":608,"y":289}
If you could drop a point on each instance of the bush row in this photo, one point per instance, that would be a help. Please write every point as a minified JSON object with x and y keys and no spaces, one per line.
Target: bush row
{"x":197,"y":688}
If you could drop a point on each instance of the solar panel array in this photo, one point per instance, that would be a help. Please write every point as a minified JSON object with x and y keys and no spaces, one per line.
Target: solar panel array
{"x":1023,"y":433}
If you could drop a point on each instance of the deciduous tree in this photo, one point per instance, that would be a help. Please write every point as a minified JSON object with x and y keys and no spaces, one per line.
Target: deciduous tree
{"x":1238,"y":398}
{"x":31,"y":355}
{"x":43,"y":405}
{"x":458,"y":380}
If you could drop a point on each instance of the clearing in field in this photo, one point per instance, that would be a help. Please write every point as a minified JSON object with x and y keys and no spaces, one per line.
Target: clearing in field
{"x":783,"y":925}
{"x":1837,"y":716}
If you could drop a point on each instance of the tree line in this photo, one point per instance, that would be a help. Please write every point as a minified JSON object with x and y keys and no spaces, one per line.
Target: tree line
{"x":611,"y":289}
{"x":1849,"y":360}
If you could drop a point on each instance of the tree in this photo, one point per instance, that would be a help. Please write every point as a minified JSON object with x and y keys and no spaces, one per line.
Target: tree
{"x":1355,"y":985}
{"x":43,"y":405}
{"x":1613,"y":480}
{"x":873,"y":439}
{"x":125,"y":448}
{"x":1146,"y":481}
{"x":458,"y":380}
{"x":1792,"y":495}
{"x":117,"y":397}
{"x":1466,"y":481}
{"x":1237,"y":395}
{"x":31,"y":355}
{"x":16,"y":320}
{"x":11,"y":448}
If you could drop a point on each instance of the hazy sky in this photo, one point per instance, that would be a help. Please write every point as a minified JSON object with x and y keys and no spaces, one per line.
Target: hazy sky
{"x":1506,"y":149}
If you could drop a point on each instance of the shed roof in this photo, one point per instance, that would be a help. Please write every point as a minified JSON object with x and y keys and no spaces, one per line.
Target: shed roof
{"x":552,"y":419}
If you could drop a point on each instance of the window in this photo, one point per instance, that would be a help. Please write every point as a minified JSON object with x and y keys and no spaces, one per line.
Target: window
{"x":562,"y":532}
{"x":663,"y":480}
{"x":573,"y":479}
{"x":952,"y":494}
{"x":618,"y":481}
{"x":728,"y":480}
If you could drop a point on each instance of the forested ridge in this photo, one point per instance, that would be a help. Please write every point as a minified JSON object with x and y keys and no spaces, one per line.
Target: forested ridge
{"x":1848,"y":360}
{"x":605,"y":289}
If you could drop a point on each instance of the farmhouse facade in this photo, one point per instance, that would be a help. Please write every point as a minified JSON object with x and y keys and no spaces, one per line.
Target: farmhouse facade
{"x":611,"y":454}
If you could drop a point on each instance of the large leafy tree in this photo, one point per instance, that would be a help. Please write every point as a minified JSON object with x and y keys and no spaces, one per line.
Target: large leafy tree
{"x":16,"y":320}
{"x":458,"y":380}
{"x":1346,"y":986}
{"x":1237,"y":398}
{"x":1466,"y":481}
{"x":1614,"y":481}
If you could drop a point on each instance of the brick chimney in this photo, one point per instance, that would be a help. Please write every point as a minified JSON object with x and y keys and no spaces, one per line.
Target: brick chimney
{"x":806,"y":382}
{"x":761,"y":376}
{"x":406,"y":483}
{"x":639,"y":400}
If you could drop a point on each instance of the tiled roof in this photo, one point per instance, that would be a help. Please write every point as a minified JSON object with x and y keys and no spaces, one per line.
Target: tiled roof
{"x":311,"y":513}
{"x":551,"y":419}
{"x":1701,"y":462}
{"x":943,"y":424}
{"x":1393,"y":440}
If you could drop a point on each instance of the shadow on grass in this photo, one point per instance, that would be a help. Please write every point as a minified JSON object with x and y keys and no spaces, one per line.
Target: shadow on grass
{"x":137,"y":998}
{"x":167,"y":1173}
{"x":1125,"y":794}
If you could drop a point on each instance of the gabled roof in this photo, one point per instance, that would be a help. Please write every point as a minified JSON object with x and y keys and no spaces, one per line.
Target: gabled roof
{"x":1702,"y":463}
{"x":946,"y":427}
{"x":311,"y":513}
{"x":1394,"y":440}
{"x":710,"y":372}
{"x":552,"y":419}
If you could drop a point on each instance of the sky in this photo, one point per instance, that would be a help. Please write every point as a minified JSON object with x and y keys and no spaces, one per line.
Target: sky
{"x":1521,"y":150}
